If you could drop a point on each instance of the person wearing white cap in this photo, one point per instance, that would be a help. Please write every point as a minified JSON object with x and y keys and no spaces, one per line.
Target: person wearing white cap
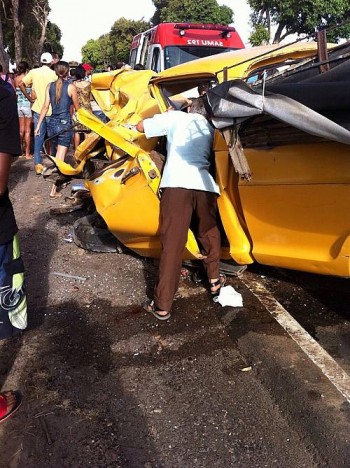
{"x":38,"y":79}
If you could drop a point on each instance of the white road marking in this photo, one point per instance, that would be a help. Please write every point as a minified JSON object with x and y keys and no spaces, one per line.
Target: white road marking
{"x":329,"y":367}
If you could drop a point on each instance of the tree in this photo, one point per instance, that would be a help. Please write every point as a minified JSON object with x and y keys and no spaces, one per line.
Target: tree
{"x":259,"y":36}
{"x":26,"y":31}
{"x":17,"y":29}
{"x":160,"y":5}
{"x":98,"y":52}
{"x":298,"y":17}
{"x":53,"y":39}
{"x":4,"y":57}
{"x":40,"y":12}
{"x":198,"y":11}
{"x":113,"y":46}
{"x":122,"y":32}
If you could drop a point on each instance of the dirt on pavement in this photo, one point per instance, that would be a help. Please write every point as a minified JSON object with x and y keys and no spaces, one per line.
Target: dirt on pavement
{"x":104,"y":384}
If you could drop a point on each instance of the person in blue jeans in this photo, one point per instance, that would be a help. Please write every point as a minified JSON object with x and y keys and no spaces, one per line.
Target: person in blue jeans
{"x":61,"y":94}
{"x":37,"y":79}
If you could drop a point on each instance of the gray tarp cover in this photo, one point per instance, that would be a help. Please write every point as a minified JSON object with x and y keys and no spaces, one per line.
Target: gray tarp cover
{"x":234,"y":101}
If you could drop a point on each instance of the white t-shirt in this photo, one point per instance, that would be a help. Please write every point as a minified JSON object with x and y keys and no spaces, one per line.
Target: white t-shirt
{"x":189,"y":145}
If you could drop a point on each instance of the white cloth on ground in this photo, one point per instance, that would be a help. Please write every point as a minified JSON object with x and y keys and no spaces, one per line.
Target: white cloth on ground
{"x":228,"y":296}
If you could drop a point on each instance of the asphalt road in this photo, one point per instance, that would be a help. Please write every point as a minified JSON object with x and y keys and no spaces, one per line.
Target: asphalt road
{"x":105,"y":385}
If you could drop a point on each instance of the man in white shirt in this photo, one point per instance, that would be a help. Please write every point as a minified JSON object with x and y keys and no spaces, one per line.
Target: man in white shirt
{"x":187,"y":188}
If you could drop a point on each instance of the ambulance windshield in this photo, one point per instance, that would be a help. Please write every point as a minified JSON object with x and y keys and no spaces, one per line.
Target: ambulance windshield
{"x":174,"y":55}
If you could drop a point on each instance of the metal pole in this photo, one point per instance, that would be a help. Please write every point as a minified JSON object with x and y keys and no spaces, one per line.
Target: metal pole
{"x":322,"y":50}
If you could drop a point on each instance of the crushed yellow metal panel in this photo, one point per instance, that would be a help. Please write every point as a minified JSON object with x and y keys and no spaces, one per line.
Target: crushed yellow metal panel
{"x":296,"y":207}
{"x":293,"y":213}
{"x":126,"y":198}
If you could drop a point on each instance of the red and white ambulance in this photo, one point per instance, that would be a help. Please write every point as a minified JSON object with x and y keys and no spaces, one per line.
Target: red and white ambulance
{"x":169,"y":44}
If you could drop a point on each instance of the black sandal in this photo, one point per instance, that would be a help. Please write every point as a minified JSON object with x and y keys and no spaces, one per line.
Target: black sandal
{"x":150,"y":307}
{"x":220,"y":282}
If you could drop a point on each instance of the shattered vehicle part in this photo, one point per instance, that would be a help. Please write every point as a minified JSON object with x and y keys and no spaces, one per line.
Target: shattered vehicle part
{"x":282,"y":165}
{"x":80,"y":200}
{"x":234,"y":102}
{"x":91,"y":233}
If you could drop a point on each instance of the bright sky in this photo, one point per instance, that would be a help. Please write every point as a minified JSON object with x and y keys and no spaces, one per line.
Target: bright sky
{"x":81,"y":20}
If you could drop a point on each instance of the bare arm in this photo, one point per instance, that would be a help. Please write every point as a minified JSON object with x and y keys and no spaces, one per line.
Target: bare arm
{"x":23,"y":88}
{"x":72,"y":92}
{"x":5,"y":164}
{"x":44,"y":110}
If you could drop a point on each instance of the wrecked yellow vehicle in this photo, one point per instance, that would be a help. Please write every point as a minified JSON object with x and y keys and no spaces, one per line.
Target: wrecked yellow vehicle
{"x":282,"y":164}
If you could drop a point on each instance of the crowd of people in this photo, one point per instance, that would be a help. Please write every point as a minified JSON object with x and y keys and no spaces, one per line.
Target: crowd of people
{"x":36,"y":101}
{"x":30,"y":87}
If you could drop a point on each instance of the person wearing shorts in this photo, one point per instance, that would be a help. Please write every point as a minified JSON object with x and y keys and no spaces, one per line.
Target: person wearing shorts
{"x":61,"y":95}
{"x":24,"y":109}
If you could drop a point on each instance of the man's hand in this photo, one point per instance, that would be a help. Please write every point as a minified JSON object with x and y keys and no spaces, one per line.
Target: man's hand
{"x":139,"y":127}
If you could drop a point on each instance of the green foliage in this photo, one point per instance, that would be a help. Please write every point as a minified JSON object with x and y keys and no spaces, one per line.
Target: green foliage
{"x":31,"y":29}
{"x":259,"y":36}
{"x":224,"y":15}
{"x":300,"y":16}
{"x":159,"y":5}
{"x":113,"y":46}
{"x":122,"y":32}
{"x":98,"y":52}
{"x":340,"y":29}
{"x":193,"y":11}
{"x":53,"y":39}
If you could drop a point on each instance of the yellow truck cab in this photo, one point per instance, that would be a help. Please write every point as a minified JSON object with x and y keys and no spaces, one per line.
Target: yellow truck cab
{"x":292,"y":210}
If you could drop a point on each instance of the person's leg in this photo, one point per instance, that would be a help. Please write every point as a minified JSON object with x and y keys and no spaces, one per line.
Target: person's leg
{"x":62,"y":136}
{"x":60,"y":154}
{"x":176,"y":207}
{"x":27,"y":131}
{"x":53,"y":128}
{"x":76,"y":139}
{"x":21,"y":131}
{"x":38,"y":139}
{"x":208,"y":233}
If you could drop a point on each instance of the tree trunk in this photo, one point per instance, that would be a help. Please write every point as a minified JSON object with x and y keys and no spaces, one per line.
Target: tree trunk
{"x":278,"y":33}
{"x":17,"y":31}
{"x":268,"y":19}
{"x":4,"y":58}
{"x":41,"y":13}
